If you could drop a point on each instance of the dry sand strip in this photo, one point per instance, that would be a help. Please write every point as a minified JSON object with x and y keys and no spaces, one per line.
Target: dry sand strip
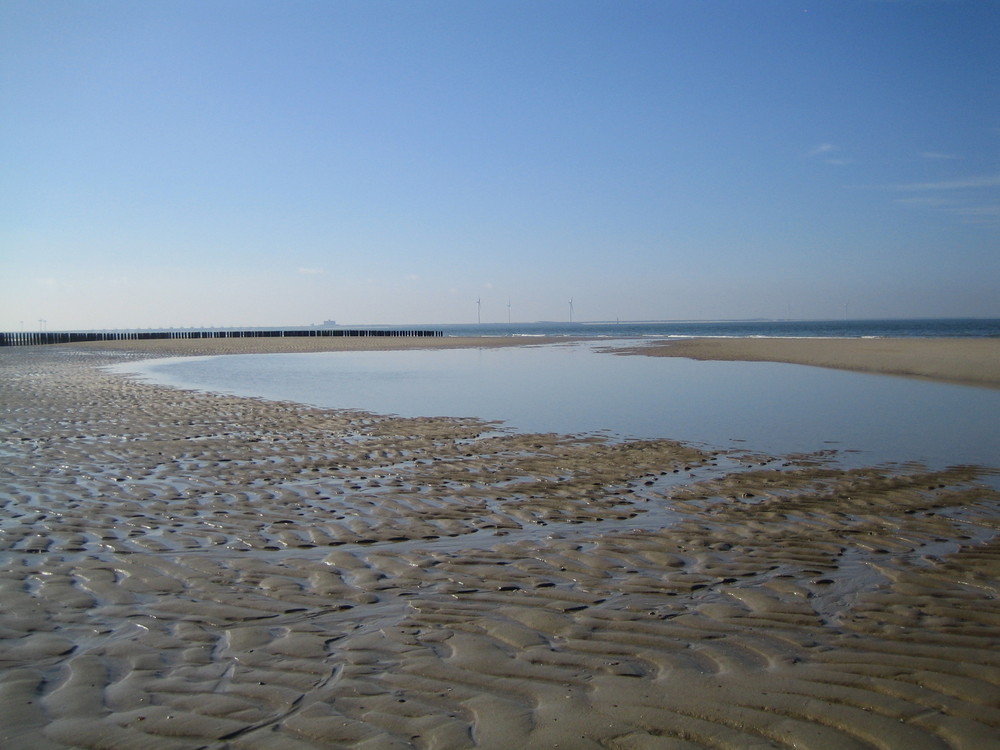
{"x":966,"y":361}
{"x":306,"y":344}
{"x":185,"y":570}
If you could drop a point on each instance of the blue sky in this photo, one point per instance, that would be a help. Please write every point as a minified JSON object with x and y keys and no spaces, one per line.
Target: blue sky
{"x":237,"y":162}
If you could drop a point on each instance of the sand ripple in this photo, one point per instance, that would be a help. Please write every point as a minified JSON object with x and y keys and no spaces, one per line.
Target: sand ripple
{"x":182,"y":570}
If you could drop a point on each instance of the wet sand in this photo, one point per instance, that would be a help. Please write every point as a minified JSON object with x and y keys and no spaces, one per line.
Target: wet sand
{"x":953,"y":360}
{"x":188,"y":570}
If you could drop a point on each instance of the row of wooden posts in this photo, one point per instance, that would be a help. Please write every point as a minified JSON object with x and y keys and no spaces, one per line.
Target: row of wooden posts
{"x":26,"y":338}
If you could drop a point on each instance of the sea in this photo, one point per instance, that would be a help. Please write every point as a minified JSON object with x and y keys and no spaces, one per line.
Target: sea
{"x":577,"y":387}
{"x":848,"y":328}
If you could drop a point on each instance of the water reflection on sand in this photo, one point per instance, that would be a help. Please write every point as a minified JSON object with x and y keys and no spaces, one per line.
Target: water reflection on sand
{"x":574,"y":388}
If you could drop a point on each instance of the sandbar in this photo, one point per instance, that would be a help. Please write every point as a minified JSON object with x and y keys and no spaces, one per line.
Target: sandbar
{"x":187,"y":570}
{"x":308,"y":344}
{"x":966,"y":361}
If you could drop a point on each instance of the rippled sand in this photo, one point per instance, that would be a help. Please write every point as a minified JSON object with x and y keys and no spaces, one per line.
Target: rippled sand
{"x":184,"y":570}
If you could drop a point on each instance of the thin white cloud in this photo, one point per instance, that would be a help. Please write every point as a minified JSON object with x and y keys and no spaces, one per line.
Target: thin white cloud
{"x":979,"y":215}
{"x":964,"y":183}
{"x":938,"y":155}
{"x":924,"y":201}
{"x":965,"y":198}
{"x":826,"y":152}
{"x":823,"y":148}
{"x":311,"y":271}
{"x":980,"y":211}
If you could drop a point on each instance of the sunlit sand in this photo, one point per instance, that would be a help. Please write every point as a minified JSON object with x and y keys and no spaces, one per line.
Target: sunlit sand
{"x":950,"y":360}
{"x":193,"y":570}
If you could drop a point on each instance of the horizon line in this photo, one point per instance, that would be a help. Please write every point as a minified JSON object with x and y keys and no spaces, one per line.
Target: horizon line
{"x":649,"y":321}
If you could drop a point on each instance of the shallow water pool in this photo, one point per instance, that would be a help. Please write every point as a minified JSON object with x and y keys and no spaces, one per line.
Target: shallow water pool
{"x":575,"y":388}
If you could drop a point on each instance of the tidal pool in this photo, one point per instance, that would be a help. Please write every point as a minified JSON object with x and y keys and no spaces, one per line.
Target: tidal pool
{"x":576,"y":388}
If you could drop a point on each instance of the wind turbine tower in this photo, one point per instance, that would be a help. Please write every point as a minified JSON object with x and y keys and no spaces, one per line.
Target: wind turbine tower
{"x":570,"y":309}
{"x":479,"y":310}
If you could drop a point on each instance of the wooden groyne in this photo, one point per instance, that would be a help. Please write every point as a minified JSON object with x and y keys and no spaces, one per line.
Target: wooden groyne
{"x":25,"y":338}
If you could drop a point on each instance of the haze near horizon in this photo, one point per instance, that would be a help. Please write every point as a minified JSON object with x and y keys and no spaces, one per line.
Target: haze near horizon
{"x":248,"y":163}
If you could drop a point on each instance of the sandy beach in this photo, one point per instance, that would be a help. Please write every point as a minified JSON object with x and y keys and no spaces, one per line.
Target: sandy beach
{"x":952,"y":360}
{"x":185,"y":570}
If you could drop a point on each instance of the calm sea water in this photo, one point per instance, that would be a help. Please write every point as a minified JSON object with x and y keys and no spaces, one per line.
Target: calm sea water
{"x":966,"y":327}
{"x":575,"y":388}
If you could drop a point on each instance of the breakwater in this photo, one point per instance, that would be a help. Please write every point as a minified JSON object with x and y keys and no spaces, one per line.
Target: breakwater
{"x":36,"y":338}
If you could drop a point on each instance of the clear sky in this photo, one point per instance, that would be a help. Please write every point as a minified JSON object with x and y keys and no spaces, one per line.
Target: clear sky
{"x":238,"y":162}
